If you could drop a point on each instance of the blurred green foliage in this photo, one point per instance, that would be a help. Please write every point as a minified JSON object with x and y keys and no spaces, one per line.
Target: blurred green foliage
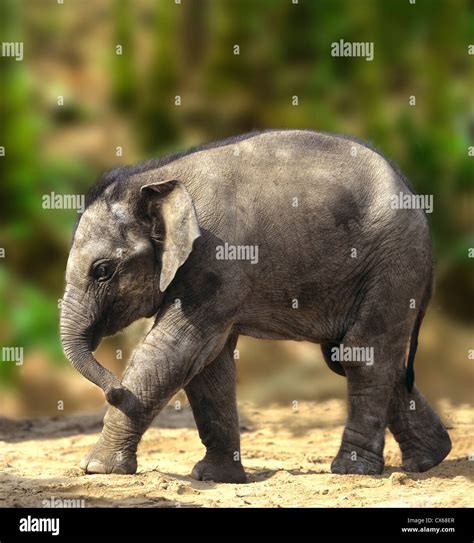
{"x":187,"y":50}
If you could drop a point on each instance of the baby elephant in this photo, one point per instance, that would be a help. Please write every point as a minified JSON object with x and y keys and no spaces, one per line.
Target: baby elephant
{"x":282,"y":234}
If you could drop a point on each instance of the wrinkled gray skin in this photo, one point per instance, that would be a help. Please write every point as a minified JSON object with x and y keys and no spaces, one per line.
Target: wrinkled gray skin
{"x":307,"y":200}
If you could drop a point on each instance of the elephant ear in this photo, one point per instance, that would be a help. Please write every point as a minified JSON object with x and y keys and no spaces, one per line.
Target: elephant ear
{"x":171,"y":201}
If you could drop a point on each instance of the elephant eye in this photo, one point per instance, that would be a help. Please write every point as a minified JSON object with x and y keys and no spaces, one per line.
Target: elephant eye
{"x":102,"y":271}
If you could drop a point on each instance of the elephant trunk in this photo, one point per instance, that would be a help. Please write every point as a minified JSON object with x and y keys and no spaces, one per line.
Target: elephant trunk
{"x":76,"y":338}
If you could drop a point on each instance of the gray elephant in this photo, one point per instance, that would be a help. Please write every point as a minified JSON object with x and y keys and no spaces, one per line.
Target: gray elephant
{"x":281,"y":234}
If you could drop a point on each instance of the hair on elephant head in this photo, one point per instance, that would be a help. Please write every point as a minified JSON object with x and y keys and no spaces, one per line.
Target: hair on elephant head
{"x":125,"y":239}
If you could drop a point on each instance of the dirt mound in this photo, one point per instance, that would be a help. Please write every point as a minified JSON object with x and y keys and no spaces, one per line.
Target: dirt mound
{"x":287,"y":451}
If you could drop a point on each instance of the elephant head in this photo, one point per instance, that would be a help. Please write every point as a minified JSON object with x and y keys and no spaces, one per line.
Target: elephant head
{"x":128,"y":245}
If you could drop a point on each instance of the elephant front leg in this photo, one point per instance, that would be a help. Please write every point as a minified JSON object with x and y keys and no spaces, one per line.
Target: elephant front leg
{"x":116,"y":449}
{"x":150,"y":386}
{"x":212,"y":396}
{"x":422,"y":438}
{"x":161,"y":366}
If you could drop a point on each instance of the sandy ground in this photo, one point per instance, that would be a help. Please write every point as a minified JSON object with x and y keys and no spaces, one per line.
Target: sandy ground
{"x":286,"y":453}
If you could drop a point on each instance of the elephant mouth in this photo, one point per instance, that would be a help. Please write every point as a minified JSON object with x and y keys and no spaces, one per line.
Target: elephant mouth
{"x":96,"y":333}
{"x":102,"y":328}
{"x":95,"y":339}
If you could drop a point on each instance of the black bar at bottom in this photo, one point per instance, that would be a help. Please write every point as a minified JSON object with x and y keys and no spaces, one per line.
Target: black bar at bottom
{"x":401,"y":524}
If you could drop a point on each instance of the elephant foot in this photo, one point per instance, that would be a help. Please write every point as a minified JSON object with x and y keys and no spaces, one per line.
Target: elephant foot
{"x":422,"y":454}
{"x":357,"y":464}
{"x":422,"y":437}
{"x":103,"y":459}
{"x":219,"y":470}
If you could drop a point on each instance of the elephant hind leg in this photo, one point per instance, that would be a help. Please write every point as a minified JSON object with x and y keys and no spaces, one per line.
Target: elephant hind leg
{"x":371,"y":358}
{"x":334,"y":365}
{"x":369,"y":383}
{"x":423,"y":440}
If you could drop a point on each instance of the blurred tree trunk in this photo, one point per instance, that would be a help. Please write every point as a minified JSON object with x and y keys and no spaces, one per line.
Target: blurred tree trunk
{"x":17,"y":121}
{"x":156,"y":111}
{"x":124,"y":92}
{"x":193,"y":31}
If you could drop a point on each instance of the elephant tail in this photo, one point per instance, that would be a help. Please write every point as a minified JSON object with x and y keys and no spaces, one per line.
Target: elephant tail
{"x":410,"y":369}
